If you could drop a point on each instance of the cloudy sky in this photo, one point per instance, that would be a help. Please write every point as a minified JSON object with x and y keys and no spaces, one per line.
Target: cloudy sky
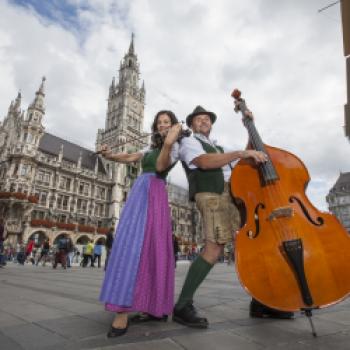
{"x":285,"y":56}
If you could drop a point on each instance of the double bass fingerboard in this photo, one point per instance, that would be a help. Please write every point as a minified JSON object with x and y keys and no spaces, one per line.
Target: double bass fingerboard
{"x":267,"y":170}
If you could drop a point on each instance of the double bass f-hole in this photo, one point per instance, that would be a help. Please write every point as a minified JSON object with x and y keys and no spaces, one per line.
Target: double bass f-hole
{"x":255,"y":234}
{"x":319,"y":221}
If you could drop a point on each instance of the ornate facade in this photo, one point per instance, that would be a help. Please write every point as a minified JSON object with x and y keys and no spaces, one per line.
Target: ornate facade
{"x":338,"y":200}
{"x":51,"y":187}
{"x":186,"y":221}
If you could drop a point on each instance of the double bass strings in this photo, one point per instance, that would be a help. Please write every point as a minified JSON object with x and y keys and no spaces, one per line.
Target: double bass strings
{"x":272,"y":186}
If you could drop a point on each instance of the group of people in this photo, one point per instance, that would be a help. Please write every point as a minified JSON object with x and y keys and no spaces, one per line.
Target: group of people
{"x":63,"y":253}
{"x":140,"y":274}
{"x":66,"y":253}
{"x":93,"y":252}
{"x":21,"y":252}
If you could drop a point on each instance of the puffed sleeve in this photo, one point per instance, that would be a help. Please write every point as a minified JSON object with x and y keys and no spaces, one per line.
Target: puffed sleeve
{"x":190,"y":148}
{"x":174,"y":154}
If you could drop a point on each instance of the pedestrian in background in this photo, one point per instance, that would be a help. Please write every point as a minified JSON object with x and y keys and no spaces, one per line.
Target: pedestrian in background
{"x":176,"y":249}
{"x":2,"y":239}
{"x":29,"y":248}
{"x":108,"y":245}
{"x":61,"y":254}
{"x":20,"y":252}
{"x":45,"y":248}
{"x":70,"y":252}
{"x":88,"y":252}
{"x":97,"y":254}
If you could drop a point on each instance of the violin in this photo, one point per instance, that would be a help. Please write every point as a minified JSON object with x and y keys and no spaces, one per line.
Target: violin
{"x":155,"y":137}
{"x":289,"y":256}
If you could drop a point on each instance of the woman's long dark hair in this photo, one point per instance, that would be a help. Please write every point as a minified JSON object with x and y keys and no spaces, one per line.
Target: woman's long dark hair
{"x":157,"y":139}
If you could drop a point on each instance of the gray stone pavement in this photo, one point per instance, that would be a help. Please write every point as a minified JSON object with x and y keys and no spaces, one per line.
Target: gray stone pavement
{"x":41,"y":308}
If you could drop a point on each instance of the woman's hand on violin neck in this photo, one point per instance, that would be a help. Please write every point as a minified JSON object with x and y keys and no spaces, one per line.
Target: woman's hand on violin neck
{"x":257,"y":156}
{"x":173,"y":134}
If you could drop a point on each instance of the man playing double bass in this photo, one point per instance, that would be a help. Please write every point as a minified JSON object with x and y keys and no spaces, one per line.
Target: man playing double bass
{"x":208,"y":169}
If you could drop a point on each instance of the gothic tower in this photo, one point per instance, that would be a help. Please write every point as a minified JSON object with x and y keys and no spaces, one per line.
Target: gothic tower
{"x":124,"y":121}
{"x":10,"y":128}
{"x":24,"y":150}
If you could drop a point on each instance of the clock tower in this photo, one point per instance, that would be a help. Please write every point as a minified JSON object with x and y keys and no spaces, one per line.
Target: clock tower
{"x":124,"y":121}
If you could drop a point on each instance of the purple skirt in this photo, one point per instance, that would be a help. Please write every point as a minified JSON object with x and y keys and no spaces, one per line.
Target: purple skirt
{"x":140,"y":270}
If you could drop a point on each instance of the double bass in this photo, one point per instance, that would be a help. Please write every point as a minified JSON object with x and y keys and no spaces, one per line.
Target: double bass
{"x":289,"y":256}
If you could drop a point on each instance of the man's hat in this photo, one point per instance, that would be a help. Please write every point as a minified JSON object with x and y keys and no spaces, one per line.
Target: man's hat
{"x":200,"y":110}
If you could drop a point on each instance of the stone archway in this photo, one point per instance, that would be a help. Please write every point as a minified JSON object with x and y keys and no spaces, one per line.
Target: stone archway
{"x":31,"y":232}
{"x":61,"y":235}
{"x":83,"y":239}
{"x":39,"y":237}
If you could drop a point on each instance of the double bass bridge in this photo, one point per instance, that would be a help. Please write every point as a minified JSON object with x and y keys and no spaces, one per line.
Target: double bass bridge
{"x":281,"y":212}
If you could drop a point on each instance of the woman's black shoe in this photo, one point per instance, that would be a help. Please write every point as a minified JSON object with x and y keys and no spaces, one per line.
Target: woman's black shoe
{"x":116,"y":332}
{"x":144,"y":317}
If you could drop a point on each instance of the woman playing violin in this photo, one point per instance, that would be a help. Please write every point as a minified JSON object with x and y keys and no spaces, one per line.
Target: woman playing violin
{"x":140,"y":271}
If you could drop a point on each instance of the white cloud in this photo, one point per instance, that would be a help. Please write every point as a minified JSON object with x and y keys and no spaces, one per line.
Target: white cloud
{"x":284,"y":56}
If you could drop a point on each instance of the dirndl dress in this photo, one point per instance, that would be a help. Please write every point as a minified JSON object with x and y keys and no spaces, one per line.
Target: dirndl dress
{"x":140,"y":270}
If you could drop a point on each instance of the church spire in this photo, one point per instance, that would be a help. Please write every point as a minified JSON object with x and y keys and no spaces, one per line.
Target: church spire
{"x":131,"y":47}
{"x":126,"y":96}
{"x":41,"y":88}
{"x":10,"y":107}
{"x":17,"y":105}
{"x":36,"y":109}
{"x":38,"y":102}
{"x":112,"y":88}
{"x":129,"y":69}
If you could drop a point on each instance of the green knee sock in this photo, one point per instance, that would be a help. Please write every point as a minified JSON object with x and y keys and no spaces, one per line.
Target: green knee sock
{"x":195,"y":276}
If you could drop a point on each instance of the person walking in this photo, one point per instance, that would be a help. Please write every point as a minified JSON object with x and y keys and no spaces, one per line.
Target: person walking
{"x":108,"y":245}
{"x":61,"y":254}
{"x":20,"y":252}
{"x":88,"y":252}
{"x":2,"y":239}
{"x":29,"y":248}
{"x":97,"y":254}
{"x":176,"y":249}
{"x":45,"y":248}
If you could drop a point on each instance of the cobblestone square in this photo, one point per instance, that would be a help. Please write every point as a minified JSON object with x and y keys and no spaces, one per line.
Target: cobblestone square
{"x":42,"y":308}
